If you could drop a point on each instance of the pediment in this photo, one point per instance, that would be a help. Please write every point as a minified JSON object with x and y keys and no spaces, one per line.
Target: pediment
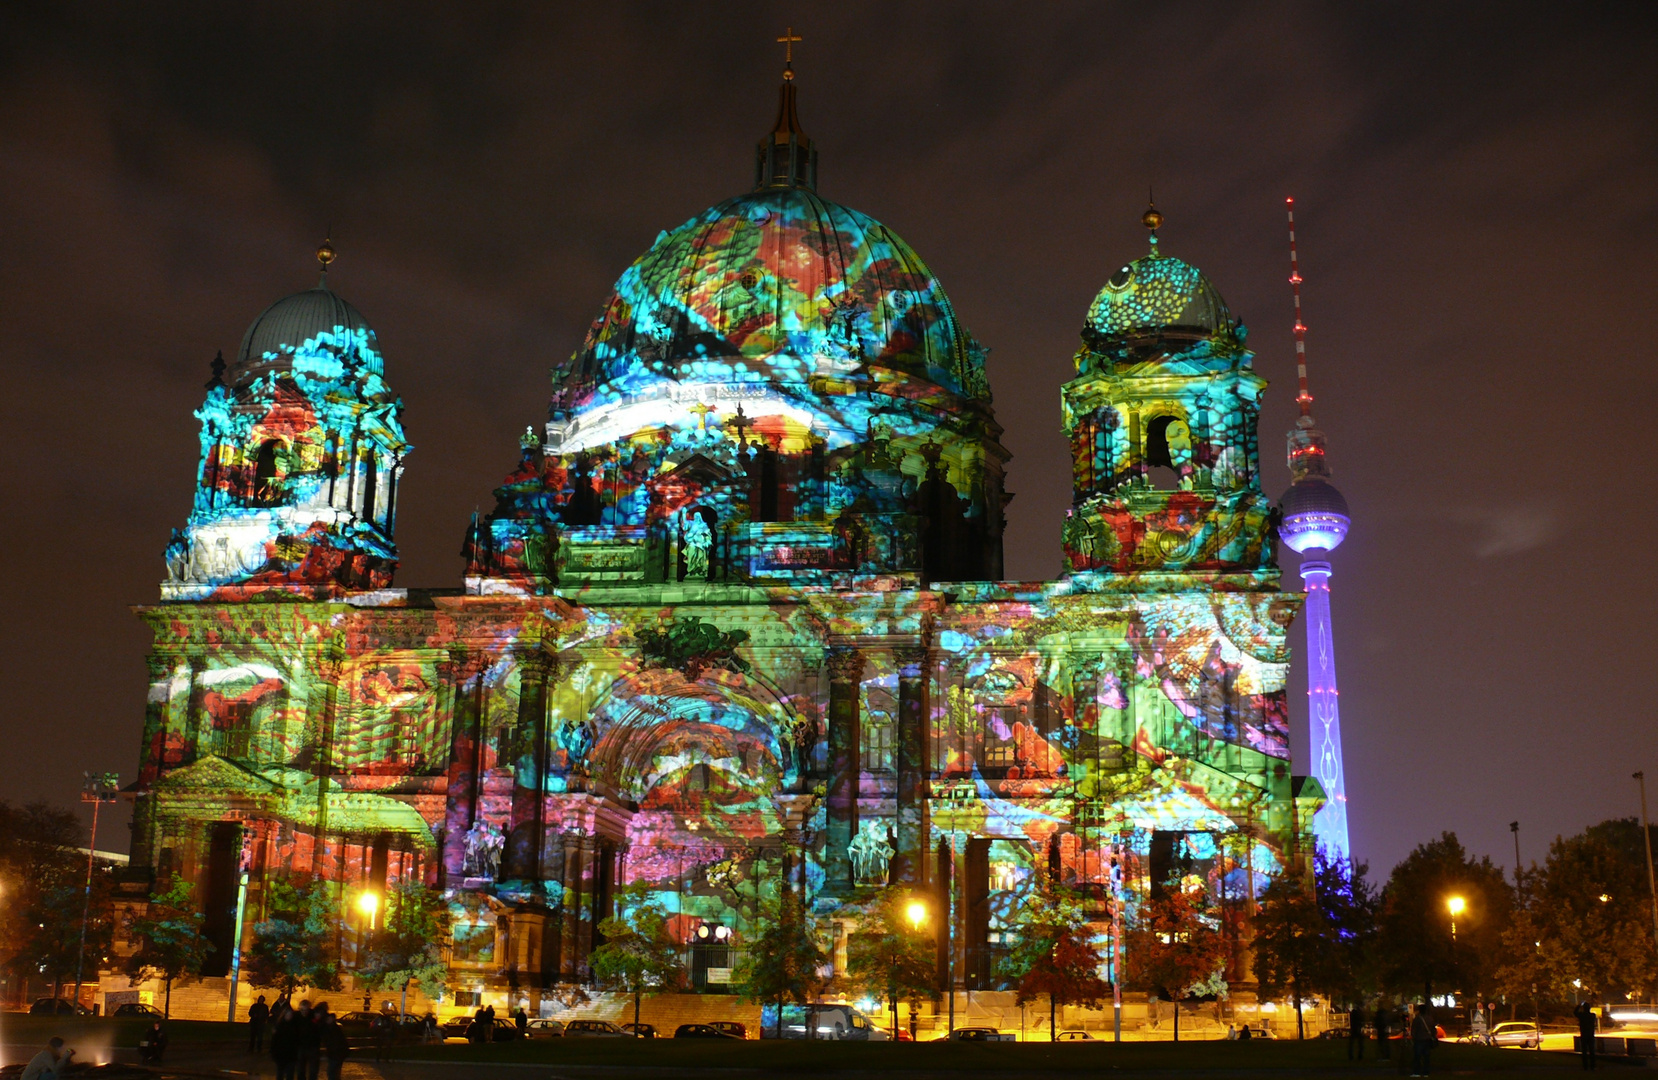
{"x":216,"y":775}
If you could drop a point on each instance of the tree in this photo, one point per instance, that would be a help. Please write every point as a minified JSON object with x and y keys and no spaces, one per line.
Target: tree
{"x":294,"y":946}
{"x":639,"y":955}
{"x":1173,"y":947}
{"x":889,"y":956}
{"x":1055,"y":955}
{"x":1292,"y":941}
{"x":783,"y":957}
{"x":1349,"y":904}
{"x":42,"y":874}
{"x":1584,"y":922}
{"x":169,"y":938}
{"x":1414,"y":943}
{"x":408,"y":947}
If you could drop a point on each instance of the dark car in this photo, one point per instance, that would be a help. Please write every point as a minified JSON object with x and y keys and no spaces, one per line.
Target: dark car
{"x":594,"y":1029}
{"x":732,"y":1028}
{"x":976,"y":1034}
{"x":136,"y":1008}
{"x":57,"y":1007}
{"x":640,"y":1031}
{"x":460,"y":1027}
{"x":702,"y":1031}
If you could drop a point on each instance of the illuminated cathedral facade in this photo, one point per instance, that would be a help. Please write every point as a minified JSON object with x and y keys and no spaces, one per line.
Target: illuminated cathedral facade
{"x":737,"y":623}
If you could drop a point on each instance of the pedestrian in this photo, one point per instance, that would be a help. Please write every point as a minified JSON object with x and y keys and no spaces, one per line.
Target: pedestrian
{"x":1585,"y":1033}
{"x":310,"y":1040}
{"x":521,"y":1021}
{"x":1355,"y":1032}
{"x":285,"y":1043}
{"x":429,"y":1030}
{"x":1422,"y":1037}
{"x":1383,"y":1022}
{"x":258,"y":1014}
{"x":334,"y":1045}
{"x":49,"y":1063}
{"x":152,"y":1045}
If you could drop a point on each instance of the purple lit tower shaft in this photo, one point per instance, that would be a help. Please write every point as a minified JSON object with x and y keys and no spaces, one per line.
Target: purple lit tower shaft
{"x":1315,"y":523}
{"x":1324,"y":708}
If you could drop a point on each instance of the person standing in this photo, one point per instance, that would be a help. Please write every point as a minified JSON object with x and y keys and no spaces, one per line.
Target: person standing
{"x":1585,"y":1033}
{"x":1355,"y":1032}
{"x":521,"y":1020}
{"x":310,"y":1040}
{"x":334,"y":1045}
{"x":1383,"y":1021}
{"x":285,"y":1043}
{"x":1422,"y":1036}
{"x":258,"y":1015}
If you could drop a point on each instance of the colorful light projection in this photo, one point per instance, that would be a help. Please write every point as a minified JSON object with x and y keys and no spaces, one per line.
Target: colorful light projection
{"x":1161,"y":419}
{"x":698,"y":651}
{"x":302,"y":450}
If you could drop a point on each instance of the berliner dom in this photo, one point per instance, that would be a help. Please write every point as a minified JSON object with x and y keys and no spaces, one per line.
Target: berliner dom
{"x":735,"y":622}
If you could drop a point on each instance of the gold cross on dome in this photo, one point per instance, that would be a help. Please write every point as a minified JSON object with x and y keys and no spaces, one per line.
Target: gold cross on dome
{"x":787,"y":41}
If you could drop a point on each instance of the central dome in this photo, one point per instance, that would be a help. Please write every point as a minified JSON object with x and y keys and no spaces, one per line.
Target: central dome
{"x":777,"y":286}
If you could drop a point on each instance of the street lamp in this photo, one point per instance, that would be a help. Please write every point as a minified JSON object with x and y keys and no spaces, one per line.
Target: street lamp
{"x":1456,"y":905}
{"x":916,"y":912}
{"x":98,"y":789}
{"x":368,"y":903}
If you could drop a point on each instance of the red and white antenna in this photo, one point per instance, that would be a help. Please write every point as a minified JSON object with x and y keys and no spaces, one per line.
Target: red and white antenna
{"x":1303,"y":398}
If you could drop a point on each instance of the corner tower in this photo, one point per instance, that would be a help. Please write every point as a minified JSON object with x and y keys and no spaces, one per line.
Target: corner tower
{"x":1315,"y":523}
{"x":1161,"y":419}
{"x":302,"y":449}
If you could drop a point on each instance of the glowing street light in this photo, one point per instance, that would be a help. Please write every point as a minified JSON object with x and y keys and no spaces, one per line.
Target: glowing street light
{"x":917,"y":913}
{"x":369,"y":904}
{"x":1456,"y":905}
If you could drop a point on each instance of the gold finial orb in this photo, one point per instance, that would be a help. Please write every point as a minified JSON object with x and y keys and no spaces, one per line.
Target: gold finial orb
{"x":1152,"y":219}
{"x":326,"y":254}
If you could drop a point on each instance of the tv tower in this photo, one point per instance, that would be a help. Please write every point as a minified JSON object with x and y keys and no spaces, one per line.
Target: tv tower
{"x":1315,"y":523}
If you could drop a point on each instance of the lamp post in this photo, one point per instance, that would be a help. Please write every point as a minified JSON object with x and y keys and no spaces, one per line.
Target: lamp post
{"x":97,"y":789}
{"x":1514,"y":827}
{"x":368,"y":903}
{"x":1116,"y":945}
{"x":916,"y":912}
{"x":1456,"y":905}
{"x":1646,"y":834}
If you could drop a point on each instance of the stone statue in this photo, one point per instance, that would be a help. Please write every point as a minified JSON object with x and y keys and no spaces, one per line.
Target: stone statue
{"x":871,"y":852}
{"x":483,"y":850}
{"x":698,"y":539}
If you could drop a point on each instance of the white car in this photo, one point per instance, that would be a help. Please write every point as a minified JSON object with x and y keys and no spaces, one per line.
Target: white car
{"x":1517,"y":1033}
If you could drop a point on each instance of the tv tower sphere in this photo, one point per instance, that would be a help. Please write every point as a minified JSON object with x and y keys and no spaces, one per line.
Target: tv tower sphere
{"x":1315,"y":517}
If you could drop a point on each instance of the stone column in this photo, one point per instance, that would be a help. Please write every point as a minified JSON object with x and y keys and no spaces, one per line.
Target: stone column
{"x":846,"y":668}
{"x":464,"y":673}
{"x":589,"y":893}
{"x":569,"y":956}
{"x":330,"y":664}
{"x":914,"y":676}
{"x":524,"y":835}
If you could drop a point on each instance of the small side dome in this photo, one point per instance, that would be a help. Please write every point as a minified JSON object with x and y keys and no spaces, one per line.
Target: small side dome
{"x":1315,"y":516}
{"x":310,"y":322}
{"x":1158,"y":296}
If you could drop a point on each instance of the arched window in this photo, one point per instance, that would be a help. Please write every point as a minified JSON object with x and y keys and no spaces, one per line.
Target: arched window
{"x":264,"y":471}
{"x":371,"y":480}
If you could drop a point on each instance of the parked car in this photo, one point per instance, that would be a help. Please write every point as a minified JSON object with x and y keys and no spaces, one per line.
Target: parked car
{"x":460,"y":1027}
{"x":1522,"y":1033}
{"x":828,"y":1021}
{"x":546,"y":1029}
{"x":702,"y":1031}
{"x":977,"y":1034}
{"x":57,"y":1007}
{"x":732,"y":1027}
{"x":591,"y":1029}
{"x":136,"y":1008}
{"x":640,"y":1031}
{"x":1075,"y":1036}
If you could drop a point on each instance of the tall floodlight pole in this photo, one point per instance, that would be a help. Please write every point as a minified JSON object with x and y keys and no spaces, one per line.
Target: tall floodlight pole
{"x":1514,"y":827}
{"x":1646,"y":834}
{"x":97,"y":790}
{"x":1314,"y":524}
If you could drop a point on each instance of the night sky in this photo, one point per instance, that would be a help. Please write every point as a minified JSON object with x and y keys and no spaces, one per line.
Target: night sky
{"x":1477,"y":190}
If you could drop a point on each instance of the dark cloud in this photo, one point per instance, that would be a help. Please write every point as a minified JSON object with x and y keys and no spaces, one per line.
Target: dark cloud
{"x":1476,"y":190}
